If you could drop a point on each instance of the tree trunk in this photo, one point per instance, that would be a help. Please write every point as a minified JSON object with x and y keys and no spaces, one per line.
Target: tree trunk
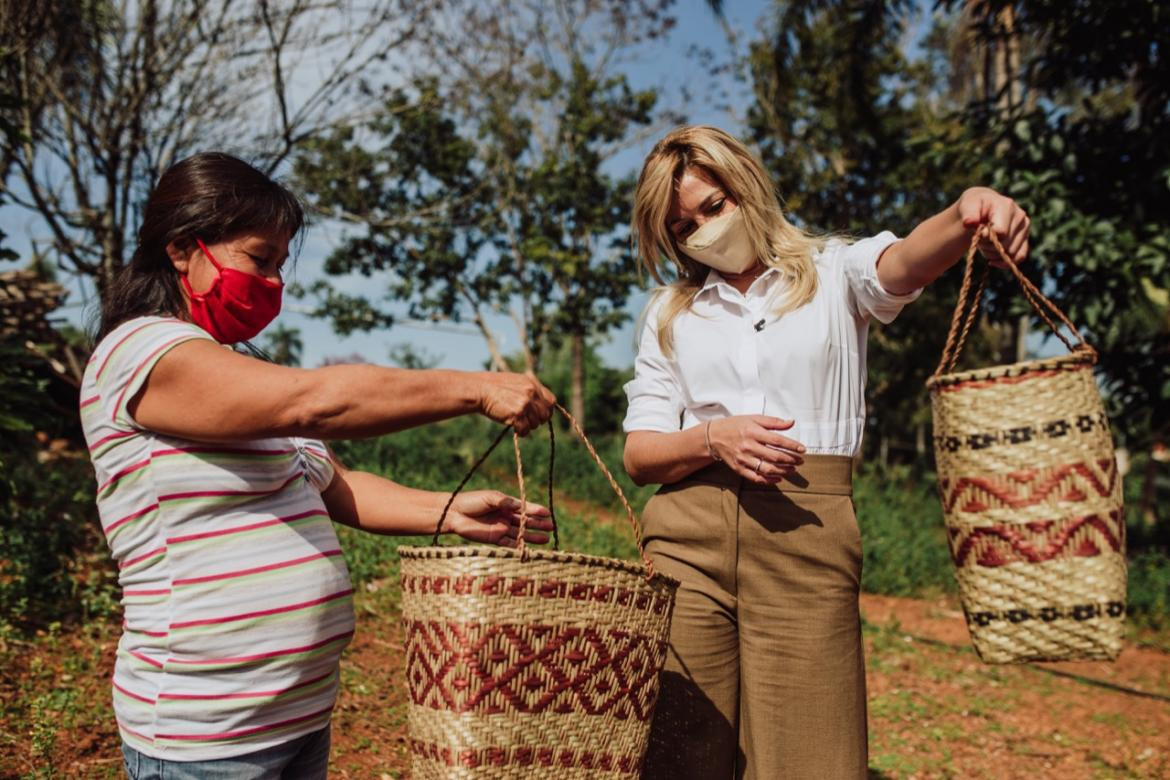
{"x":577,"y":378}
{"x":1022,"y":338}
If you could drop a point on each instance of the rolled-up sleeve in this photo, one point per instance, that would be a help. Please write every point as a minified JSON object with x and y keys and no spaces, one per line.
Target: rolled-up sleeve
{"x":655,"y":395}
{"x":859,"y":264}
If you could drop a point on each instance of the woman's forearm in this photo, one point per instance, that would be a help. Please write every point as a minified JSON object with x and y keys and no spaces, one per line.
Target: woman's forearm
{"x":937,"y":243}
{"x":663,"y":458}
{"x":924,"y":255}
{"x":201,"y":391}
{"x":354,"y":401}
{"x":381,"y":506}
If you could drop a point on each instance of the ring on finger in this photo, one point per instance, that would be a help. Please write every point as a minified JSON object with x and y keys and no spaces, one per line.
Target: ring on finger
{"x":759,"y":462}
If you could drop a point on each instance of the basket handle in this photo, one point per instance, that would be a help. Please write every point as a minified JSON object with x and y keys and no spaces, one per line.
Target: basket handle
{"x":966,"y":310}
{"x":520,"y":544}
{"x":519,"y":471}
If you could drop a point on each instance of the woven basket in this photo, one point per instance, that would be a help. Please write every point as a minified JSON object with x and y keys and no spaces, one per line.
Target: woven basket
{"x":523,"y":663}
{"x":1031,"y":495}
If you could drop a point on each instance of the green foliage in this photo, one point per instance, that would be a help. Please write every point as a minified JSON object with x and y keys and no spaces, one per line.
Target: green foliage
{"x":488,"y":193}
{"x":575,"y":470}
{"x":22,"y":402}
{"x":284,"y":345}
{"x":53,"y":564}
{"x":1085,"y":153}
{"x":1064,"y":106}
{"x":834,"y":110}
{"x":903,"y":536}
{"x":455,"y":225}
{"x":1149,"y":589}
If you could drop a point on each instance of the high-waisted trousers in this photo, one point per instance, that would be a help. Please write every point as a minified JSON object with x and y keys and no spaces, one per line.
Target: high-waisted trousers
{"x":765,"y":674}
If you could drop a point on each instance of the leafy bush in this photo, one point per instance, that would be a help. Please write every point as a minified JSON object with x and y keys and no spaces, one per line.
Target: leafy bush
{"x":1149,"y":589}
{"x":903,"y":537}
{"x":52,"y":566}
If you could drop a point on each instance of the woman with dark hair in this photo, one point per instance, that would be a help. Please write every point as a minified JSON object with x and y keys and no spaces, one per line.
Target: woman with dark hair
{"x":217,"y":495}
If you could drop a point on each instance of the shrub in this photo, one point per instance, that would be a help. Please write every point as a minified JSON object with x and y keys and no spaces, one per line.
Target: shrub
{"x":51,"y":566}
{"x":903,"y":537}
{"x":1149,"y":589}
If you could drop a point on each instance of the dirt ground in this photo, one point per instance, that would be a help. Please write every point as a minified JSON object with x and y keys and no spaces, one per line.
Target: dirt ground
{"x":935,"y":710}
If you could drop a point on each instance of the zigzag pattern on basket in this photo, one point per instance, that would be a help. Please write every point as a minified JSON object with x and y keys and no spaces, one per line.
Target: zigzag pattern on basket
{"x":466,"y":667}
{"x":1029,"y":487}
{"x":1036,"y":541}
{"x":526,"y":756}
{"x":494,"y":585}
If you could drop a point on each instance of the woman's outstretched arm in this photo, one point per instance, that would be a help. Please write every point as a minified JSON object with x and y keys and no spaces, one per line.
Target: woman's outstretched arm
{"x":202,"y":391}
{"x":938,"y":242}
{"x":378,"y":505}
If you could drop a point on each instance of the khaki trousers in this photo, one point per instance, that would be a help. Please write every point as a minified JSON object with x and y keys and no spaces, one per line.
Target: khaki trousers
{"x":765,"y":675}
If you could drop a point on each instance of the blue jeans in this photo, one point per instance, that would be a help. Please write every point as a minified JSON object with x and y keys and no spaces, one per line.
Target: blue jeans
{"x":304,"y":758}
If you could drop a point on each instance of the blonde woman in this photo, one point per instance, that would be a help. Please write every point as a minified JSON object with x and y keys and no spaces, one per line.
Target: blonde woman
{"x":747,"y":405}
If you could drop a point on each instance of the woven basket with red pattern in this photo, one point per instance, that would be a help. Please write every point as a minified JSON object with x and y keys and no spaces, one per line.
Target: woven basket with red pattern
{"x":1031,"y":496}
{"x":531,"y":663}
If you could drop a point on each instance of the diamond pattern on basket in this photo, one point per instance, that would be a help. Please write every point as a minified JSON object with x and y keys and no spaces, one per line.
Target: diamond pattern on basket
{"x":468,"y":667}
{"x":1037,"y":541}
{"x":1028,"y":487}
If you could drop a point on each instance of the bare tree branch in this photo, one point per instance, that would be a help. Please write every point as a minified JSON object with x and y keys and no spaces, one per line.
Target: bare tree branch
{"x":118,"y":93}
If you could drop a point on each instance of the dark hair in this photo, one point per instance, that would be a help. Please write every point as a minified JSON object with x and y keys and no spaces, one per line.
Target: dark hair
{"x":210,"y":196}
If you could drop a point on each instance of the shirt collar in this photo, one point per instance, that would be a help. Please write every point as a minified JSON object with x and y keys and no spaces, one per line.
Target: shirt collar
{"x":716,"y":282}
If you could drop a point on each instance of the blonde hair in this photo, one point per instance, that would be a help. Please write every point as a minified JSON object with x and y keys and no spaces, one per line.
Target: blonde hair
{"x":777,"y":242}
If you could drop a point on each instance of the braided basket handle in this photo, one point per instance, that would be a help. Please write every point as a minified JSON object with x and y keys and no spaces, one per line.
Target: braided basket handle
{"x":966,"y":310}
{"x":520,"y":543}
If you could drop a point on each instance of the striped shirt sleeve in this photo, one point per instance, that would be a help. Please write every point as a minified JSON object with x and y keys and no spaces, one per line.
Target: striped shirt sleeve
{"x":317,"y":463}
{"x":129,"y":354}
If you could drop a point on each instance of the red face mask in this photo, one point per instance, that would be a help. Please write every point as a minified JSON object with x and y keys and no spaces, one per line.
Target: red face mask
{"x":237,"y":306}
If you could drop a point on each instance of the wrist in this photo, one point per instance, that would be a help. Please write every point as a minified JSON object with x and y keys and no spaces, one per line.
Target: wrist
{"x":470,"y":389}
{"x":453,"y":522}
{"x":711,"y":451}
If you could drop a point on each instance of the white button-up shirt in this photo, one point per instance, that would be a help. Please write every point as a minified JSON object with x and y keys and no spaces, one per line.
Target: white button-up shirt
{"x":733,"y":355}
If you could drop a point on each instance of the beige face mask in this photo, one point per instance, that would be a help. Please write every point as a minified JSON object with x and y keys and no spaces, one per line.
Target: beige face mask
{"x":722,"y":244}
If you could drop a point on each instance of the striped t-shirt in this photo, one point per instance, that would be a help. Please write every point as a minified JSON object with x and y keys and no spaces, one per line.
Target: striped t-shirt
{"x":236,"y":599}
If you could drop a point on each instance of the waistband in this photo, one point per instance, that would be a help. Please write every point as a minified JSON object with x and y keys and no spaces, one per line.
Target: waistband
{"x":831,"y":474}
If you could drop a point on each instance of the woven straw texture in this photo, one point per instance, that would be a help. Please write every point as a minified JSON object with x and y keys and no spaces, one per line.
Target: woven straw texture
{"x":1032,"y":501}
{"x":516,"y":666}
{"x":523,"y":663}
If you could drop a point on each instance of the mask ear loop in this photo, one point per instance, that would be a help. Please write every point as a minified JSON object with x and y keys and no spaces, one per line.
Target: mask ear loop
{"x":210,"y":256}
{"x":187,"y":282}
{"x":276,"y":285}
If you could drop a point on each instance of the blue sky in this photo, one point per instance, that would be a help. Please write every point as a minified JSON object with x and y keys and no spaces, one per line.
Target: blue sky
{"x":669,"y":66}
